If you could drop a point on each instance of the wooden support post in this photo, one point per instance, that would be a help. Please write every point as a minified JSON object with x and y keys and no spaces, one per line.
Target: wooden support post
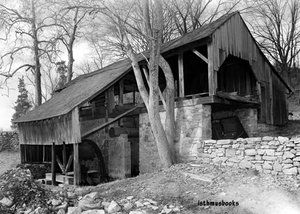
{"x":181,"y":74}
{"x":44,"y":153}
{"x":76,"y":164}
{"x":93,"y":109}
{"x":121,"y":92}
{"x":76,"y":134}
{"x":106,"y":110}
{"x":64,"y":156}
{"x":110,"y":99}
{"x":53,"y":164}
{"x":22,"y":151}
{"x":212,"y":75}
{"x":25,"y":155}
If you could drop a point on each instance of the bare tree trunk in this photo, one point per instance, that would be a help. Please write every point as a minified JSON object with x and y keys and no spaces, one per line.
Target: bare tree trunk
{"x":70,"y":47}
{"x":70,"y":62}
{"x":37,"y":67}
{"x":152,"y":104}
{"x":164,"y":149}
{"x":164,"y":138}
{"x":169,"y":96}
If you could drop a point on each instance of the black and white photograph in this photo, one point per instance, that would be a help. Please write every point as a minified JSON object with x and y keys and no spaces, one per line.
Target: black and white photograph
{"x":149,"y":106}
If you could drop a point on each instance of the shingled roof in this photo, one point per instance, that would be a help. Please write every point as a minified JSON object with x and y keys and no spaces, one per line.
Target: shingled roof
{"x":85,"y":86}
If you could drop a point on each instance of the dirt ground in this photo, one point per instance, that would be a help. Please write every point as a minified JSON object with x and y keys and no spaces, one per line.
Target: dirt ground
{"x":187,"y":185}
{"x":8,"y":160}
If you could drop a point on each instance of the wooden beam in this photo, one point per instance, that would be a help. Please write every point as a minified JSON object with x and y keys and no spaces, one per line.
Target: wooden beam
{"x":212,"y":74}
{"x":22,"y":151}
{"x":111,"y":99}
{"x":106,"y":109}
{"x":121,"y":92}
{"x":44,"y":153}
{"x":76,"y":133}
{"x":76,"y":164}
{"x":110,"y":122}
{"x":64,"y":155}
{"x":25,"y":155}
{"x":61,"y":166}
{"x":200,"y":55}
{"x":181,"y":74}
{"x":236,"y":98}
{"x":53,"y":165}
{"x":69,"y":162}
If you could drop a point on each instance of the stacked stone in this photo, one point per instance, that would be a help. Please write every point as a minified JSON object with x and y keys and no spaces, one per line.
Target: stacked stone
{"x":275,"y":155}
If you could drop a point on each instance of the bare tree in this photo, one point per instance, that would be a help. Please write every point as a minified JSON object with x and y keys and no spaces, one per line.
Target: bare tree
{"x":25,"y":25}
{"x":124,"y":20}
{"x":276,"y":25}
{"x":186,"y":16}
{"x":71,"y":21}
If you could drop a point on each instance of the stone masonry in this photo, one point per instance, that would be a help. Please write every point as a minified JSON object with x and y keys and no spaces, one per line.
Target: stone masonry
{"x":115,"y":150}
{"x":193,"y":124}
{"x":275,"y":155}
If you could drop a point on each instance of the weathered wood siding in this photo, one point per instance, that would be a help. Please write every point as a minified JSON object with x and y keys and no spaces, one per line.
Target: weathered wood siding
{"x":279,"y":101}
{"x":45,"y":132}
{"x":234,"y":38}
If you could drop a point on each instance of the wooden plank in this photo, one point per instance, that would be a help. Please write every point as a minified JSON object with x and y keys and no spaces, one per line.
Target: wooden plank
{"x":53,"y":165}
{"x":75,"y":132}
{"x":64,"y":155}
{"x":44,"y":153}
{"x":61,"y":166}
{"x":200,"y":55}
{"x":22,"y":153}
{"x":76,"y":164}
{"x":181,"y":74}
{"x":212,"y":75}
{"x":236,"y":98}
{"x":69,"y":162}
{"x":121,"y":92}
{"x":271,"y":92}
{"x":106,"y":110}
{"x":25,"y":154}
{"x":110,"y":122}
{"x":111,"y":99}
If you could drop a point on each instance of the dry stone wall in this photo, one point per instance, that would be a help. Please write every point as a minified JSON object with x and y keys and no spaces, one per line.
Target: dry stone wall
{"x":275,"y":155}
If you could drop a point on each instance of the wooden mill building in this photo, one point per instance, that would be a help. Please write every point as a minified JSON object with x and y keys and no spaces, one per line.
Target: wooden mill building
{"x":225,"y":87}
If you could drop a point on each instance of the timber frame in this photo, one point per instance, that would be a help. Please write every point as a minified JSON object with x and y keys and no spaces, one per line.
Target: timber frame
{"x":218,"y":64}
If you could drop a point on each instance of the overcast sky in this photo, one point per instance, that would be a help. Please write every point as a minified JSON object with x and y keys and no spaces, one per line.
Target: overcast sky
{"x":9,"y":97}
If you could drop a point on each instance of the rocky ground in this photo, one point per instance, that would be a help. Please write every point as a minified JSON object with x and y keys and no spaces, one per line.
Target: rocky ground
{"x":183,"y":188}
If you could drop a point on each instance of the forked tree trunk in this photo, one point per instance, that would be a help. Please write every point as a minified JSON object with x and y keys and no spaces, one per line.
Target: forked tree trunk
{"x":164,"y":137}
{"x":169,"y":95}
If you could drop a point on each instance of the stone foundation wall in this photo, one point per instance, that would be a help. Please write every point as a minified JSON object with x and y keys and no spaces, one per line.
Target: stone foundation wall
{"x":193,"y":123}
{"x":115,"y":150}
{"x":119,"y":159}
{"x":275,"y":155}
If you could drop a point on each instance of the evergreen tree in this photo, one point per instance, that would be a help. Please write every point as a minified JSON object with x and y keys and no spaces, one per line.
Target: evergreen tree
{"x":23,"y":104}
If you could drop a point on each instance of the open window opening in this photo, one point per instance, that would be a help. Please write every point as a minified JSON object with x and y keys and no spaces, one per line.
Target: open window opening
{"x":195,"y":71}
{"x":236,"y":76}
